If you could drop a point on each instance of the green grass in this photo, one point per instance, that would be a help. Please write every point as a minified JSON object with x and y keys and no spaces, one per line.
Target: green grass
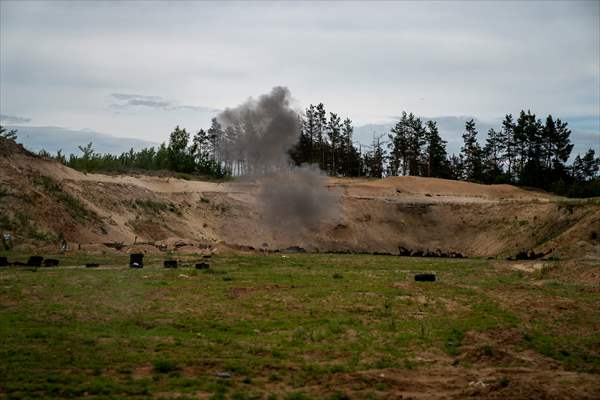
{"x":279,"y":326}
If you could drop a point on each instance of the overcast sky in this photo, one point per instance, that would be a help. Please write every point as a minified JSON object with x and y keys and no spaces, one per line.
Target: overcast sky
{"x":137,"y":69}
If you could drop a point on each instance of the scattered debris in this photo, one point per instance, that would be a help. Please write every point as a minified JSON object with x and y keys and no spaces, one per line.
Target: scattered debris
{"x":404,"y":252}
{"x":294,"y":249}
{"x":7,"y":241}
{"x":115,"y":245}
{"x":528,"y":255}
{"x":223,"y":375}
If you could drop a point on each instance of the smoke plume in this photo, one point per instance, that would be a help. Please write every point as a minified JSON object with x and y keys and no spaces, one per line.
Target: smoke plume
{"x":297,"y":198}
{"x":259,"y":134}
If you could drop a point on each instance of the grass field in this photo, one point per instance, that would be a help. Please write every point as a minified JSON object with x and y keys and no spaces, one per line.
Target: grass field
{"x":298,"y":327}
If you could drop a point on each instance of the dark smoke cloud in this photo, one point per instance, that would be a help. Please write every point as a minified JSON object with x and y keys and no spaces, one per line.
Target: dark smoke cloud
{"x":262,"y":131}
{"x":297,"y":198}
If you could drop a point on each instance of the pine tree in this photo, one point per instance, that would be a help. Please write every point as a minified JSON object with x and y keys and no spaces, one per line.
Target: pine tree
{"x":558,"y":135}
{"x":215,"y":136}
{"x":416,"y":141}
{"x":526,"y":141}
{"x":334,"y":127}
{"x":376,"y":159}
{"x":585,"y":168}
{"x":492,"y":169}
{"x":309,"y":126}
{"x":178,"y":142}
{"x":506,"y":145}
{"x":472,"y":153}
{"x":529,"y":140}
{"x":321,"y":123}
{"x":456,"y":167}
{"x":349,"y":154}
{"x":398,"y":146}
{"x":435,"y":152}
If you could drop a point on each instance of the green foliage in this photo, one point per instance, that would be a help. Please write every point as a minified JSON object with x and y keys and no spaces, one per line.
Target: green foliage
{"x":10,"y":135}
{"x":525,"y":152}
{"x":185,"y":159}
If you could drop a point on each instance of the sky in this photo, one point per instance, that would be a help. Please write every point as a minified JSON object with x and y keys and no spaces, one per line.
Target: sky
{"x":137,"y":69}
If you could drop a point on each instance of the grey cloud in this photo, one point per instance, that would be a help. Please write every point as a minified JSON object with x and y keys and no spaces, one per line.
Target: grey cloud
{"x":148,"y":103}
{"x":156,"y":102}
{"x":54,"y":138}
{"x":197,"y":108}
{"x":463,"y":58}
{"x":12,"y":119}
{"x":125,"y":96}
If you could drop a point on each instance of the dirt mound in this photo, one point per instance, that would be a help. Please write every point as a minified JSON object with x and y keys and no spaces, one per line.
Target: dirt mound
{"x":44,"y":201}
{"x":10,"y":147}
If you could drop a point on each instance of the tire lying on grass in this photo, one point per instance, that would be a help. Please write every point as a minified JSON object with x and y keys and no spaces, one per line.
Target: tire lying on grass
{"x":35,"y":261}
{"x":50,"y":262}
{"x":136,"y":260}
{"x":425,"y":277}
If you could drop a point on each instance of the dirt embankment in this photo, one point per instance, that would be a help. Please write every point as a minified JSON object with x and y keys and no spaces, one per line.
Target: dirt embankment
{"x":41,"y":201}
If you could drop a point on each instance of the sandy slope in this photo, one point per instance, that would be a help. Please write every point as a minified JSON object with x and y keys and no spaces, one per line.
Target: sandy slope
{"x":373,"y":215}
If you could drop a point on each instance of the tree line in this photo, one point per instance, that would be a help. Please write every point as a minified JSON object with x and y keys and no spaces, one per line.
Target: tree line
{"x":524,"y":151}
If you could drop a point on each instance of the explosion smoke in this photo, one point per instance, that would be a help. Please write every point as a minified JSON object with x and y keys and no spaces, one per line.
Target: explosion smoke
{"x":261,"y":132}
